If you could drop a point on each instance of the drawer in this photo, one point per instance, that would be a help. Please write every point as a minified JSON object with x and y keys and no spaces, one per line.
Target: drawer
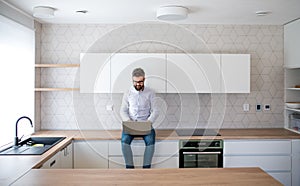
{"x":162,"y":148}
{"x":119,"y":163}
{"x":52,"y":163}
{"x":157,"y":162}
{"x":115,"y":148}
{"x":257,"y":147}
{"x":296,"y":147}
{"x":165,"y":162}
{"x":267,"y":163}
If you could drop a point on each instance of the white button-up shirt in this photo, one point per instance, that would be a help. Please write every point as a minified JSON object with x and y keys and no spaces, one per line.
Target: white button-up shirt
{"x":139,"y":105}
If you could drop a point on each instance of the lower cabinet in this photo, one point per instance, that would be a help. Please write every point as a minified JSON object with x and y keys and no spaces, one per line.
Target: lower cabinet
{"x":273,"y":156}
{"x":165,"y":154}
{"x":66,"y":157}
{"x":90,"y":154}
{"x":53,"y":163}
{"x":61,"y":160}
{"x":295,"y":162}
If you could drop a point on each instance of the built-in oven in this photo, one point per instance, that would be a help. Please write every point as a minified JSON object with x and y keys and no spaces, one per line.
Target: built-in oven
{"x":200,"y":153}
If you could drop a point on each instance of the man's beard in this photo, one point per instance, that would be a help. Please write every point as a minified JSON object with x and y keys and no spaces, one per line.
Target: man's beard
{"x":139,"y":87}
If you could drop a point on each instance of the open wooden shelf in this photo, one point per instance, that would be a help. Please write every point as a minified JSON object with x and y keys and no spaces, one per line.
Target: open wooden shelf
{"x":295,"y":110}
{"x":293,"y":88}
{"x":55,"y":89}
{"x":56,"y":65}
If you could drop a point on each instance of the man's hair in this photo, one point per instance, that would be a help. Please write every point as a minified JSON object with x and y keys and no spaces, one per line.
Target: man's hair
{"x":138,"y":72}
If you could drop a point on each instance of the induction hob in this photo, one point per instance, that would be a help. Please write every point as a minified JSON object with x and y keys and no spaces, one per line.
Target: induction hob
{"x":197,"y":132}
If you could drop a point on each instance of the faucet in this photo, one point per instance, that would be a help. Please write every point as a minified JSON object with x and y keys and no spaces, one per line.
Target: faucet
{"x":16,"y":141}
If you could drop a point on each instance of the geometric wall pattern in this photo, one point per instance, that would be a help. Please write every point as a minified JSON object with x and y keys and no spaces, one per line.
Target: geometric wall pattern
{"x":63,"y":43}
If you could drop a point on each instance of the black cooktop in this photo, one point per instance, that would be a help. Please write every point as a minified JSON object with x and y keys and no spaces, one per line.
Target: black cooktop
{"x":197,"y":132}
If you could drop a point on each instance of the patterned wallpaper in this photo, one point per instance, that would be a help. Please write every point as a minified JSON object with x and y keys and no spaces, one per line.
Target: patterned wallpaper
{"x":71,"y":110}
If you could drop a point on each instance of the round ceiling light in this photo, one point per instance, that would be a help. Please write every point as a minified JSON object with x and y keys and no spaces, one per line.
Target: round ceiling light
{"x":171,"y":13}
{"x":43,"y":12}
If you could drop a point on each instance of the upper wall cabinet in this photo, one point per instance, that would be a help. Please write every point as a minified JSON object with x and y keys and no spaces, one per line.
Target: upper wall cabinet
{"x":166,"y":73}
{"x":123,"y":64}
{"x":95,"y":73}
{"x":235,"y":76}
{"x":193,"y":73}
{"x":292,"y":44}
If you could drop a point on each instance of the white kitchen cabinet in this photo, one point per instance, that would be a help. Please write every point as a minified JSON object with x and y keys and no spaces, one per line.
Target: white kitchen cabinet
{"x":90,"y":154}
{"x":95,"y":73}
{"x":53,"y":163}
{"x":122,"y":65}
{"x":117,"y":162}
{"x":257,"y":147}
{"x":295,"y":162}
{"x":265,"y":162}
{"x":61,"y":160}
{"x":66,"y":157}
{"x":292,"y":44}
{"x":273,"y":156}
{"x":165,"y":155}
{"x":235,"y":73}
{"x":166,"y":73}
{"x":193,"y":73}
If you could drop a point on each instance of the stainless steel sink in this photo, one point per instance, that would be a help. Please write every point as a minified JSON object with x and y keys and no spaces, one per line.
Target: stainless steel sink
{"x":32,"y":146}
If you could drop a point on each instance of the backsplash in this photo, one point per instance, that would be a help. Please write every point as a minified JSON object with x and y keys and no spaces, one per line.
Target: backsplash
{"x":71,"y":110}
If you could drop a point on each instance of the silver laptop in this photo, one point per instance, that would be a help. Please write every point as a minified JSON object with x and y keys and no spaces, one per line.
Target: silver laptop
{"x":137,"y":127}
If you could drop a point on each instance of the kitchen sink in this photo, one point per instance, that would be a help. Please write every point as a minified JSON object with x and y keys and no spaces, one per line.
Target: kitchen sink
{"x":32,"y":146}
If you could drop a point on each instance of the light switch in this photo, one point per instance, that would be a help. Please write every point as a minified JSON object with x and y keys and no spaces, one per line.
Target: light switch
{"x":246,"y":107}
{"x":109,"y":107}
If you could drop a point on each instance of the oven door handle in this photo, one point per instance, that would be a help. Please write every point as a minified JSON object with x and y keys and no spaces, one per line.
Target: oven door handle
{"x":192,"y":153}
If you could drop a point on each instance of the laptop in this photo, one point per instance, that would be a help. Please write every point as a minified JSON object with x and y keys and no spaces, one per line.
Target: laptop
{"x":137,"y":128}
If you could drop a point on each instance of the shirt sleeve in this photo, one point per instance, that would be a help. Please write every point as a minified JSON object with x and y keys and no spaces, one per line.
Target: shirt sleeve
{"x":154,"y":108}
{"x":124,"y":111}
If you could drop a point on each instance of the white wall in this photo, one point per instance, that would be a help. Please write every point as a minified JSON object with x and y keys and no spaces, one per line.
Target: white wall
{"x":63,"y":44}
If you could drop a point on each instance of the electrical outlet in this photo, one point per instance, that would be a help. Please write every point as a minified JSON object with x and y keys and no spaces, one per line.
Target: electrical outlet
{"x":109,"y":107}
{"x":246,"y":107}
{"x":267,"y":107}
{"x":258,"y":107}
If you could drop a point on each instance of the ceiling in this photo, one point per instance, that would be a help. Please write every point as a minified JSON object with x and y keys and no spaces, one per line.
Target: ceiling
{"x":200,"y":11}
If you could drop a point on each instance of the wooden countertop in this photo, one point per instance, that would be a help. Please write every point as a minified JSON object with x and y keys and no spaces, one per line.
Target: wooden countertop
{"x":172,"y":135}
{"x":192,"y":176}
{"x":17,"y":166}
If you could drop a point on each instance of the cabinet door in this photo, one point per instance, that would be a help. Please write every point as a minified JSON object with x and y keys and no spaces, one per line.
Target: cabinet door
{"x":165,"y":162}
{"x":53,"y":163}
{"x":115,"y":147}
{"x":235,"y":77}
{"x":295,"y":162}
{"x":162,"y":148}
{"x":165,"y":154}
{"x":292,"y":44}
{"x":122,"y":66}
{"x":267,"y":163}
{"x":95,"y":73}
{"x":117,"y":162}
{"x":66,"y":156}
{"x":257,"y":147}
{"x":193,"y":73}
{"x":90,"y":154}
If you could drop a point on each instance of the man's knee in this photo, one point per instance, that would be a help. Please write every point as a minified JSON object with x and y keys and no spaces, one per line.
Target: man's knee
{"x":149,"y":140}
{"x":126,"y":140}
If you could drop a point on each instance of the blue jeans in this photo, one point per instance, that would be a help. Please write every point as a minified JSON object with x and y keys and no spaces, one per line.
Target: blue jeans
{"x":149,"y":140}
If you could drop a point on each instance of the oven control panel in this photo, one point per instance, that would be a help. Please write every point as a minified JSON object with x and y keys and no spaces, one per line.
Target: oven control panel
{"x":190,"y":144}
